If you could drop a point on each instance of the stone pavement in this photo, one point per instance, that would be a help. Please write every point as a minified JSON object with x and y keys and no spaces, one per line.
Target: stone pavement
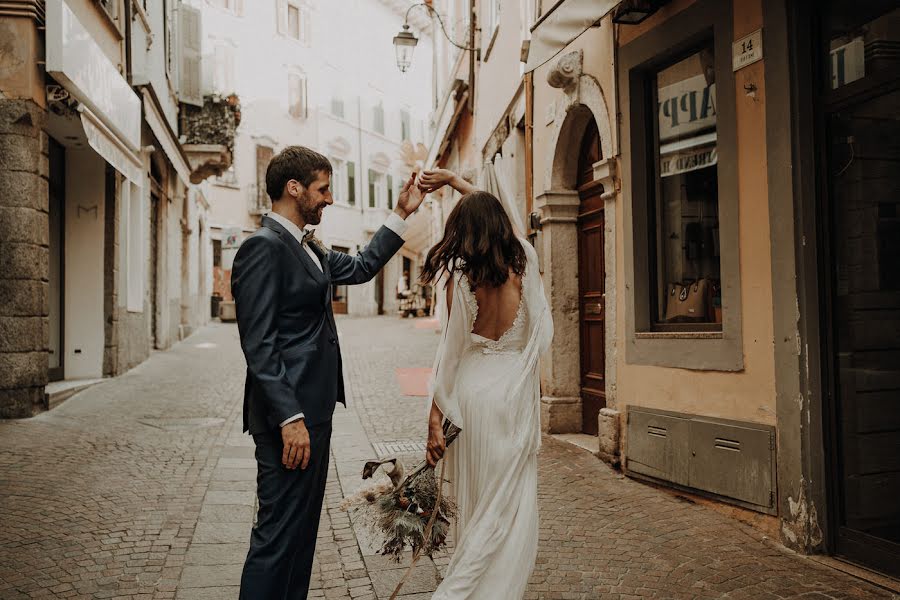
{"x":142,"y":487}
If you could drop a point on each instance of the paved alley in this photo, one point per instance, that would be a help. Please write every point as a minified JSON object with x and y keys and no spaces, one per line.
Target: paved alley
{"x":142,"y":487}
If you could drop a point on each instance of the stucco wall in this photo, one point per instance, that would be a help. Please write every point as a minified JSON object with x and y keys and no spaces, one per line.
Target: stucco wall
{"x":746,"y":395}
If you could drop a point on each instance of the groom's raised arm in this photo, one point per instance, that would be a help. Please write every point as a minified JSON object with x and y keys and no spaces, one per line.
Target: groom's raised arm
{"x":346,"y":269}
{"x":255,"y":286}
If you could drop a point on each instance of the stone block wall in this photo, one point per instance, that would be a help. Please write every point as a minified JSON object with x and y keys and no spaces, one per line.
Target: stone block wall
{"x":24,"y":258}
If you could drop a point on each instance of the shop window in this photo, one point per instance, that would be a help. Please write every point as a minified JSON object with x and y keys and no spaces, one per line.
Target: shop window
{"x":685,"y":270}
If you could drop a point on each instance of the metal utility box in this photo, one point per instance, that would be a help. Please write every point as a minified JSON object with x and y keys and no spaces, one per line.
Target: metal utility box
{"x":730,"y":459}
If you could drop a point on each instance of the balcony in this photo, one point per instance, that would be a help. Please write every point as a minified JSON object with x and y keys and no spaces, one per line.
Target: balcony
{"x":208,"y":133}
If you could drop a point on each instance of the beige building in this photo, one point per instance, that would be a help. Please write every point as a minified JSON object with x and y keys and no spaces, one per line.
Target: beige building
{"x":103,"y":233}
{"x":710,"y":192}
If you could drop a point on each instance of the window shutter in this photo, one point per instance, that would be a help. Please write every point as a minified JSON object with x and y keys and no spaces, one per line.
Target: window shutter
{"x":372,"y":201}
{"x":294,"y":106}
{"x":304,"y":99}
{"x":239,"y":7}
{"x":304,"y":25}
{"x":190,"y":35}
{"x":281,"y":16}
{"x":351,"y":183}
{"x":390,"y":192}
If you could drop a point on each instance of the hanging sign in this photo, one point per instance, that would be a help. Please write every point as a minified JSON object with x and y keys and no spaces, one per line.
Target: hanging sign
{"x":747,"y":50}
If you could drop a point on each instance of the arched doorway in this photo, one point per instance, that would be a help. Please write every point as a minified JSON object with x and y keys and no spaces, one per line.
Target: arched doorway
{"x":591,"y":280}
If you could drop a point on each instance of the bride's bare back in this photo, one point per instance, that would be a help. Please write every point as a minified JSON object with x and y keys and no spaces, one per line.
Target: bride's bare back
{"x":497,"y":307}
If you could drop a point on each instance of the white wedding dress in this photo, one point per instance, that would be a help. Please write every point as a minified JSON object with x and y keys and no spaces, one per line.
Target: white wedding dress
{"x":491,"y":389}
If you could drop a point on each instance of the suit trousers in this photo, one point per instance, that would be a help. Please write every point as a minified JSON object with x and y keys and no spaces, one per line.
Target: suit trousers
{"x":283,"y":542}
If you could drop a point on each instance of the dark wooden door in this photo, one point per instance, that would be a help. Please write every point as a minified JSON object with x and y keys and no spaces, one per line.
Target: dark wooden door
{"x":591,"y":283}
{"x":156,"y":194}
{"x":57,"y":222}
{"x":862,"y":203}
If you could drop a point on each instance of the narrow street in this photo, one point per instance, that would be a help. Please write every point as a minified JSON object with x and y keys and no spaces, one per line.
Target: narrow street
{"x":142,"y":487}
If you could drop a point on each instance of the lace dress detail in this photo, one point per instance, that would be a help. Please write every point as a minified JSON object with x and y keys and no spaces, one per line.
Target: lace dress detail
{"x":513,"y":339}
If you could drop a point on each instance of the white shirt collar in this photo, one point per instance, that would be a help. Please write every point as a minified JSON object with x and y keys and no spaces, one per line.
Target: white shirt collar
{"x":287,"y":224}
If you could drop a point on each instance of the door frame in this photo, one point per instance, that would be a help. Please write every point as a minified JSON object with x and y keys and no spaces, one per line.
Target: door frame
{"x":59,"y":373}
{"x":817,"y":452}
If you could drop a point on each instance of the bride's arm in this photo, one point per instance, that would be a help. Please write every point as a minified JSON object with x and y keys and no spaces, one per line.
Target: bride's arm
{"x":436,"y":442}
{"x":435,"y":179}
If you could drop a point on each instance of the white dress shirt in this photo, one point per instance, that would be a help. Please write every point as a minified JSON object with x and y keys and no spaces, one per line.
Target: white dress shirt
{"x":394,"y":222}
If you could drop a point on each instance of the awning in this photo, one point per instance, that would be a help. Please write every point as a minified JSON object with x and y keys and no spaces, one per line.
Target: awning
{"x":110,"y":147}
{"x":556,"y":30}
{"x":164,"y":135}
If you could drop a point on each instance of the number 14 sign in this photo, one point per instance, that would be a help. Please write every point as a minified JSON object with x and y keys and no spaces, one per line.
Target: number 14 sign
{"x":747,"y":50}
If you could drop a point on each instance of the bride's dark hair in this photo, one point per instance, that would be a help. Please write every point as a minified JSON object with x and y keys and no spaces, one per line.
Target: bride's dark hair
{"x":478,"y":240}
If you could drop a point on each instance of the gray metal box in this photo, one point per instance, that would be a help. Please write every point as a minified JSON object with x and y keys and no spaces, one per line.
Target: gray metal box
{"x":731,"y":459}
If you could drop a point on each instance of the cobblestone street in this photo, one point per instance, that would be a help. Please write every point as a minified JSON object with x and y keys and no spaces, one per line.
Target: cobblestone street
{"x":142,"y":487}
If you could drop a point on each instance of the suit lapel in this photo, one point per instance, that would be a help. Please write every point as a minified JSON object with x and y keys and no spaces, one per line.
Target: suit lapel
{"x":297,"y":250}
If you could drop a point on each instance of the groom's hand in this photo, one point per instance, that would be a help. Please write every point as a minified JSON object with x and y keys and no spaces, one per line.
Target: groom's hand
{"x":410,"y":198}
{"x":296,"y":445}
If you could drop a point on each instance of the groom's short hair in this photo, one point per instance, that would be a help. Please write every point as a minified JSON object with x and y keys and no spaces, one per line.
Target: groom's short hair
{"x":294,"y":162}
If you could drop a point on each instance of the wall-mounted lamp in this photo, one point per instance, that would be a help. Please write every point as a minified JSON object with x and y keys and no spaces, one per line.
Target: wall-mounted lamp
{"x":632,"y":12}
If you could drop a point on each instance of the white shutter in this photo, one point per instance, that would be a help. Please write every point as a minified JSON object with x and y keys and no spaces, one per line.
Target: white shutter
{"x":190,"y":36}
{"x":239,"y":7}
{"x":281,"y":16}
{"x":305,"y":15}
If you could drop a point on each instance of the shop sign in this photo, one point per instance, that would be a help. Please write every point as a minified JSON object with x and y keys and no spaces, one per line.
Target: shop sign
{"x":78,"y":62}
{"x":747,"y":50}
{"x":686,"y":108}
{"x":683,"y":161}
{"x":231,"y":238}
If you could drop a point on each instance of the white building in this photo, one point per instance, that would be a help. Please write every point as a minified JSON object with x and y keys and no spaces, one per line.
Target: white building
{"x":323,"y":75}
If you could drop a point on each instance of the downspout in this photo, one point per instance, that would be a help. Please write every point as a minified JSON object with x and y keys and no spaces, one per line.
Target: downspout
{"x":472,"y":28}
{"x":529,"y":146}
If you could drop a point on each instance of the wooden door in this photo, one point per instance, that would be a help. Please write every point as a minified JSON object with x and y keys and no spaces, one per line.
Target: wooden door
{"x":861,"y":198}
{"x":591,"y":283}
{"x":57,"y":222}
{"x":157,"y":196}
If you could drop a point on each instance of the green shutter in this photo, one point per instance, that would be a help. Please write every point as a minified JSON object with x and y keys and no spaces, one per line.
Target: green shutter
{"x":390,"y":188}
{"x":372,"y":199}
{"x":351,"y":183}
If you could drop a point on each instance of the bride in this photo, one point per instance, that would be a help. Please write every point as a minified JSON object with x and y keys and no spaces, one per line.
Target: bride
{"x":496,"y":324}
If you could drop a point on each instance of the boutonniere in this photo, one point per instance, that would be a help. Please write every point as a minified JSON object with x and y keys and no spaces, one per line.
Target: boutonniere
{"x":316,"y":243}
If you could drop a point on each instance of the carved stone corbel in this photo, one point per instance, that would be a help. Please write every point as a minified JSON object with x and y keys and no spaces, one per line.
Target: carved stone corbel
{"x":565,"y":75}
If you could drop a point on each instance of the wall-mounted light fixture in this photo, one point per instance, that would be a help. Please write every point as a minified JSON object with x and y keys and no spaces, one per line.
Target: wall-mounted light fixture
{"x":405,"y":41}
{"x":632,"y":12}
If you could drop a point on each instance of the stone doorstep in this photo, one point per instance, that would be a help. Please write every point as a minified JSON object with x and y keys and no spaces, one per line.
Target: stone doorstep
{"x":591,"y":443}
{"x":57,"y":392}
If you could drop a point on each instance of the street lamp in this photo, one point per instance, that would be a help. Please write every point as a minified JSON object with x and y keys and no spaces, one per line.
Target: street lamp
{"x":405,"y":41}
{"x":404,"y":44}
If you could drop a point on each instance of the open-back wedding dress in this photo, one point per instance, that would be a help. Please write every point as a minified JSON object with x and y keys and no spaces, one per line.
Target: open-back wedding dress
{"x":491,"y":389}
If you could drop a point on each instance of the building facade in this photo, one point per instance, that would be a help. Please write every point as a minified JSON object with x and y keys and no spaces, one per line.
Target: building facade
{"x":303,"y":80}
{"x":713,"y":206}
{"x":104,"y":234}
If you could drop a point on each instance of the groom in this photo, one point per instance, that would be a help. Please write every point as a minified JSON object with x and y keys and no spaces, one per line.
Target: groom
{"x":282,"y":281}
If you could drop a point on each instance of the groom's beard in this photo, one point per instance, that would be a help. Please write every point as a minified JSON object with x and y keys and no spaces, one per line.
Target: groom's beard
{"x":310,"y":210}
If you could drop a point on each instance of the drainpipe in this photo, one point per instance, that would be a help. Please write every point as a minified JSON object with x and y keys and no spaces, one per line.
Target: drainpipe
{"x":472,"y":28}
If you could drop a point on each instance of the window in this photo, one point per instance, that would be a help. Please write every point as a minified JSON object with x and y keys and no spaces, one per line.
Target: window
{"x":351,"y":183}
{"x":223,"y":76}
{"x":405,"y":125}
{"x":297,"y":100}
{"x":684,"y":253}
{"x":337,"y":107}
{"x":232,"y":6}
{"x":298,"y":22}
{"x":376,"y":189}
{"x":378,"y":117}
{"x":491,"y":22}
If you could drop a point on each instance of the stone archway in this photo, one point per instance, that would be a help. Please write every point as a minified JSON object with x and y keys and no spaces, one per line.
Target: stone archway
{"x":582,"y":101}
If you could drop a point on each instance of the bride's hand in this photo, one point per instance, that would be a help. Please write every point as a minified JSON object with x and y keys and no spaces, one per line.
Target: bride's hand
{"x":430,"y":181}
{"x":436,"y":444}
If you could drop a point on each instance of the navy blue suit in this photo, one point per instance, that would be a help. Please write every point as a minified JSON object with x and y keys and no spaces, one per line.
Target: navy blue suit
{"x":290,"y":342}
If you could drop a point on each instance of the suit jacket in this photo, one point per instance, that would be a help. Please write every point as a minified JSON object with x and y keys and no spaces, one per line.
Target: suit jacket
{"x":287,"y":328}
